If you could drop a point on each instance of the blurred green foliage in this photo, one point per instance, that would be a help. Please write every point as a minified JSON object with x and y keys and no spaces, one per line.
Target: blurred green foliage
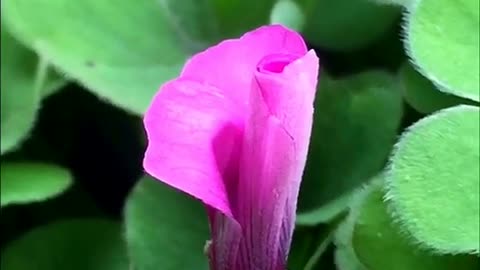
{"x":76,"y":77}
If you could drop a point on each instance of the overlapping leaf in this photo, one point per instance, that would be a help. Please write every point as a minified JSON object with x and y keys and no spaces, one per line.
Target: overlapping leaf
{"x":20,"y":98}
{"x":31,"y":182}
{"x":76,"y":244}
{"x":455,"y":65}
{"x":434,"y":180}
{"x":347,"y":25}
{"x":380,"y":244}
{"x":163,"y":226}
{"x":423,"y":95}
{"x":355,"y":125}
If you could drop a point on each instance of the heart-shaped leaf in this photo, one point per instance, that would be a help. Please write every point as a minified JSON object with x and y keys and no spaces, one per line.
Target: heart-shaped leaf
{"x":77,"y":244}
{"x":423,"y":95}
{"x":165,"y":229}
{"x":355,"y":125}
{"x":380,"y":244}
{"x":346,"y":25}
{"x":123,"y":52}
{"x":433,"y":180}
{"x":31,"y":182}
{"x":453,"y":66}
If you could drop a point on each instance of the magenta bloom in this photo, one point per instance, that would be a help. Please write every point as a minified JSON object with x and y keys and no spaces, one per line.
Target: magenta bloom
{"x":233,"y":131}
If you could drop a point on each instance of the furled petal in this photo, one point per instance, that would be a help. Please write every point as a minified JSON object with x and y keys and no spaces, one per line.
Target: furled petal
{"x":226,"y":236}
{"x":290,"y":96}
{"x":230,"y":65}
{"x":265,"y":171}
{"x":287,"y":83}
{"x":275,"y":147}
{"x":193,"y":135}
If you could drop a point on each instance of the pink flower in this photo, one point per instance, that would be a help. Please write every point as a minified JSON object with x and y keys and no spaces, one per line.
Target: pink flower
{"x":233,"y":131}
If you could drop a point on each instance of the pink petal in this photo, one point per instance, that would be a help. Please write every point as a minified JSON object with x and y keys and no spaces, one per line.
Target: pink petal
{"x":288,"y":85}
{"x":230,"y":65}
{"x":226,"y":235}
{"x":290,"y":96}
{"x":186,"y":123}
{"x":265,"y":171}
{"x":274,"y":153}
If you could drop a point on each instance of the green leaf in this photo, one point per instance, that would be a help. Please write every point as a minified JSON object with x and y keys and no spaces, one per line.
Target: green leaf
{"x":31,"y":182}
{"x":123,"y":52}
{"x":288,"y":13}
{"x":19,"y":102}
{"x":165,"y":229}
{"x":19,"y":98}
{"x":212,"y":20}
{"x":380,"y":244}
{"x":237,"y":16}
{"x":71,"y":244}
{"x":347,"y":25}
{"x":194,"y":22}
{"x":433,"y":180}
{"x":423,"y":95}
{"x":355,"y":125}
{"x":453,"y":66}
